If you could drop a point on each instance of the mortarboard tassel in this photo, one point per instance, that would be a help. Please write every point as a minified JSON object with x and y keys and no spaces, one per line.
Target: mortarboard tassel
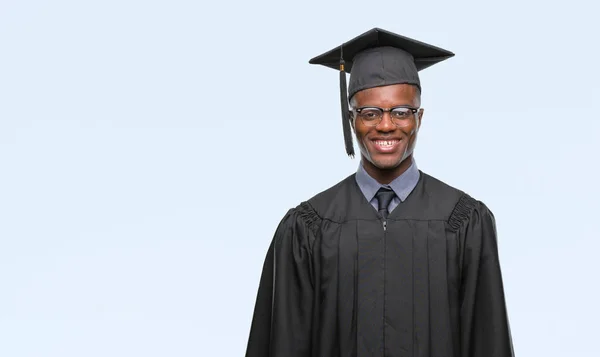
{"x":345,"y":110}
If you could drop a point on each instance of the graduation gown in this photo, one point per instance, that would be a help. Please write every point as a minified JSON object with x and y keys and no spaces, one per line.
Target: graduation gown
{"x":336,"y":283}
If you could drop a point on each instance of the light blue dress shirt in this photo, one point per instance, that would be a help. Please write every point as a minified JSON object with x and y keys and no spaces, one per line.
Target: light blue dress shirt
{"x":403,"y":185}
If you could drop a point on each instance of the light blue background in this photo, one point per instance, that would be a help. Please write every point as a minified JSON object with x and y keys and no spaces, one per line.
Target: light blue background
{"x":148,"y":150}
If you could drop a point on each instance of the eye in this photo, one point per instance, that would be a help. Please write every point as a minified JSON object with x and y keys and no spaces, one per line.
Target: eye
{"x":401,"y":113}
{"x":370,"y":113}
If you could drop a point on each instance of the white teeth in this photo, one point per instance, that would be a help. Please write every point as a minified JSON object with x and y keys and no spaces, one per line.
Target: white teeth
{"x":385,"y":142}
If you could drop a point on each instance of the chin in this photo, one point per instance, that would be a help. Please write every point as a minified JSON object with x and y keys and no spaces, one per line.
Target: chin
{"x":385,"y":163}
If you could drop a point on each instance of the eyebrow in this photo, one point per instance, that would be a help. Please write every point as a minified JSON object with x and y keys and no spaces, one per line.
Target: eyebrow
{"x":392,"y":107}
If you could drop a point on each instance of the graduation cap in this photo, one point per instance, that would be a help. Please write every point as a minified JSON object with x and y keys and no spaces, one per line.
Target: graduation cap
{"x":377,"y":58}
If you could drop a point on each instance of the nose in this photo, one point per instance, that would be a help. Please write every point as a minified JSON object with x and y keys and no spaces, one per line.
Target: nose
{"x":386,"y":124}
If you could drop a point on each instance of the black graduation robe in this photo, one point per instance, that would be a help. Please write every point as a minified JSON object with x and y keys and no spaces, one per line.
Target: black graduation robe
{"x":335,"y":283}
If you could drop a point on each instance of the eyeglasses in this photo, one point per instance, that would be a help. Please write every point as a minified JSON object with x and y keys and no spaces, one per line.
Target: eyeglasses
{"x":371,"y":116}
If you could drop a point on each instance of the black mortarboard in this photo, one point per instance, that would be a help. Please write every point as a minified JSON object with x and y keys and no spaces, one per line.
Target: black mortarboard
{"x":377,"y":58}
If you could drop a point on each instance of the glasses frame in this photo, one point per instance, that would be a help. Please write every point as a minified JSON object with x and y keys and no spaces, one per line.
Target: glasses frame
{"x":356,"y":113}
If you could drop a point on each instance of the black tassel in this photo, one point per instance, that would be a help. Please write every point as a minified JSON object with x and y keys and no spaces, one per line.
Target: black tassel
{"x":345,"y":111}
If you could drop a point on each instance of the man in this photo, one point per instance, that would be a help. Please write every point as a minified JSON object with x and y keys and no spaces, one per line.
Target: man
{"x":390,"y":261}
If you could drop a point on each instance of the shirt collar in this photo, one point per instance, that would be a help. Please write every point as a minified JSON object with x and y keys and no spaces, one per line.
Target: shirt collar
{"x":402,"y":185}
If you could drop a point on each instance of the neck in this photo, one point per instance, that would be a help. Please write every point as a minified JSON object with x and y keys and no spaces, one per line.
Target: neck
{"x":385,"y":176}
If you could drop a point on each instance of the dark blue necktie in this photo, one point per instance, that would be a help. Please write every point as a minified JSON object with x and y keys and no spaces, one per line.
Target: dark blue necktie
{"x":384,"y":197}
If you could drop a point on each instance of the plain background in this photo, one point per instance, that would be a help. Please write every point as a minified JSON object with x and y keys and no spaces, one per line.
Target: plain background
{"x":148,"y":150}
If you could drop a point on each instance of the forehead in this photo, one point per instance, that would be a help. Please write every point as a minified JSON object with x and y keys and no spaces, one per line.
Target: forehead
{"x":397,"y":94}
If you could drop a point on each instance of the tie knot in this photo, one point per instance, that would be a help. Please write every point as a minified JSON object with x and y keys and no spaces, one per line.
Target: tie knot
{"x":384,"y":197}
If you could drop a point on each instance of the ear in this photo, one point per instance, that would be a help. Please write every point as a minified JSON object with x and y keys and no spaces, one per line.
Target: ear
{"x":351,"y":119}
{"x":420,"y":116}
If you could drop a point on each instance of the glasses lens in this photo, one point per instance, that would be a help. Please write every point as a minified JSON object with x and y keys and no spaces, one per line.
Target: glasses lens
{"x":402,"y":116}
{"x":370,"y":116}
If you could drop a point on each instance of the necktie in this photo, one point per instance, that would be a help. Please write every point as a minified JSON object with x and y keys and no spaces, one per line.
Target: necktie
{"x":384,"y":197}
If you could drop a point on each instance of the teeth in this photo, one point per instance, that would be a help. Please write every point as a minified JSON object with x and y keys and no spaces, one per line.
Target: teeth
{"x":385,"y":142}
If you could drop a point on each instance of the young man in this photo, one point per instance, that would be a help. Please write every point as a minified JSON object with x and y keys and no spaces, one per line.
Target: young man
{"x":390,"y":261}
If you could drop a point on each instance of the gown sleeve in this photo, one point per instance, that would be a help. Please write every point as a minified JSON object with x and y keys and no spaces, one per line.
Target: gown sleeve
{"x":281,"y":323}
{"x":485,"y":329}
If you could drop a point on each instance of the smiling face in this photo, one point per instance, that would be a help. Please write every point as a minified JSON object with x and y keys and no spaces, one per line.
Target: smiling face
{"x":386,"y":148}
